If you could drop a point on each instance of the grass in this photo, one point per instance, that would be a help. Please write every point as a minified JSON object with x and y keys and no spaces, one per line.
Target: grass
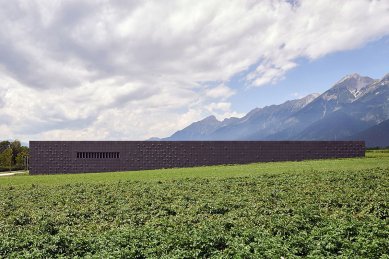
{"x":322,"y":208}
{"x":373,"y":159}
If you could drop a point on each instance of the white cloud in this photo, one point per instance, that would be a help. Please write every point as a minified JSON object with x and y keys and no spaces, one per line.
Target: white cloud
{"x":135,"y":69}
{"x":221,"y":106}
{"x":221,"y":91}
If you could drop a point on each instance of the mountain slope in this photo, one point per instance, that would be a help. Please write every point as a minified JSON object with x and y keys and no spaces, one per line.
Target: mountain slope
{"x":373,"y":105}
{"x":261,"y":122}
{"x":338,"y":125}
{"x":344,"y":92}
{"x":369,"y":108}
{"x":199,"y":130}
{"x":258,"y":122}
{"x":376,"y":136}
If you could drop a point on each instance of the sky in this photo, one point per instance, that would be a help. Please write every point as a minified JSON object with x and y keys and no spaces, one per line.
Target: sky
{"x":131,"y":70}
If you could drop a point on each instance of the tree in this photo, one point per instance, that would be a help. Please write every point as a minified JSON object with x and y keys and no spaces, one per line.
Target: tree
{"x":16,"y":148}
{"x":6,"y":158}
{"x":4,"y":145}
{"x":12,"y":154}
{"x":24,"y":151}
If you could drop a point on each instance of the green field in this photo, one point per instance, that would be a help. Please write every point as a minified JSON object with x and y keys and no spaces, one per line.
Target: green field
{"x":265,"y":210}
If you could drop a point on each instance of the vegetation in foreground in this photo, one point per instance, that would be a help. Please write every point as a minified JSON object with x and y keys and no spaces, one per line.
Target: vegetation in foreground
{"x":311,"y":208}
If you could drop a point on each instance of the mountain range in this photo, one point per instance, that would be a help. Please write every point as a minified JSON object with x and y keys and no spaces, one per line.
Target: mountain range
{"x":354,"y":108}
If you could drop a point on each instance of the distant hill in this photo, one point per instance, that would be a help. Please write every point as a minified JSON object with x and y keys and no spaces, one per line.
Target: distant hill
{"x":376,"y":136}
{"x":353,"y":104}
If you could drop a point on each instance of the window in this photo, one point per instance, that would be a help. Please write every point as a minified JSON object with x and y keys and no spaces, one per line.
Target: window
{"x":98,"y":155}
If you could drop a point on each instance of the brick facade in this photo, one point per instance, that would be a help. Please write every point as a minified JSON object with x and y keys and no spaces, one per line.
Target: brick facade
{"x":61,"y":157}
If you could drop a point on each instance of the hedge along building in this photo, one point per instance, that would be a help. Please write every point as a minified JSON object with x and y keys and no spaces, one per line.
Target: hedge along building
{"x":61,"y":157}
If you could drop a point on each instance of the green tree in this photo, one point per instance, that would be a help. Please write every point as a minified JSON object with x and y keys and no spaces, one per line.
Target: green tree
{"x":4,"y":145}
{"x":16,"y":148}
{"x":6,"y":158}
{"x":24,"y":151}
{"x":12,"y":154}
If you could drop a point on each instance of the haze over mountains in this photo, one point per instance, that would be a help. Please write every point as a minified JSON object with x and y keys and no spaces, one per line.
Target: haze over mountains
{"x":346,"y":111}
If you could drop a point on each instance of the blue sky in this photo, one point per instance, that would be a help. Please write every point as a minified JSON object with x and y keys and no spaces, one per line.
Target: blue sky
{"x":131,"y":70}
{"x":314,"y":76}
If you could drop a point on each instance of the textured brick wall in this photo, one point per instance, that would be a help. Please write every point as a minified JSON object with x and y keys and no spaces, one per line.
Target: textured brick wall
{"x":59,"y":157}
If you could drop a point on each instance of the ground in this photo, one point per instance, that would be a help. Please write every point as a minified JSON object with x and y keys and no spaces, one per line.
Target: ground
{"x":265,"y":210}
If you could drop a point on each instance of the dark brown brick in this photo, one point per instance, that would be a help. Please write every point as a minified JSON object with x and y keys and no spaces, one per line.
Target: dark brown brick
{"x":60,"y":157}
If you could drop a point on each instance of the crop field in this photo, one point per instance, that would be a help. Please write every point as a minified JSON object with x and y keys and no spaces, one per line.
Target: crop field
{"x":321,"y":208}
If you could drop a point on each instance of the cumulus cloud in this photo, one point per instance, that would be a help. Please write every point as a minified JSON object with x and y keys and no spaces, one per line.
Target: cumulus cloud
{"x":135,"y":69}
{"x":220,"y":91}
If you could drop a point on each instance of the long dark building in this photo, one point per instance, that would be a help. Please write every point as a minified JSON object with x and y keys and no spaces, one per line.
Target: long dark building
{"x":63,"y":157}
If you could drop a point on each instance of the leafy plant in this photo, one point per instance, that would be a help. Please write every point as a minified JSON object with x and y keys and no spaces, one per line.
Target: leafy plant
{"x":315,"y":212}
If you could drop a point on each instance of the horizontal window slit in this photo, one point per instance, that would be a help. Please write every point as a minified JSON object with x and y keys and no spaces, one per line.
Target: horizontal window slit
{"x":98,"y":155}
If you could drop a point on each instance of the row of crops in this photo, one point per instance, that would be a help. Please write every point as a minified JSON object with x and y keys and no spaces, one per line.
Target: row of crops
{"x":268,"y":215}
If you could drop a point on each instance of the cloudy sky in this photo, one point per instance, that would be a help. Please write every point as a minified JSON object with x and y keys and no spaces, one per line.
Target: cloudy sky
{"x":129,"y":70}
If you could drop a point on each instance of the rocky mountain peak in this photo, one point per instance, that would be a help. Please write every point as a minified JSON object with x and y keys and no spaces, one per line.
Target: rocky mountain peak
{"x":209,"y":119}
{"x":353,"y":82}
{"x":309,"y":98}
{"x":352,"y":76}
{"x":348,"y":89}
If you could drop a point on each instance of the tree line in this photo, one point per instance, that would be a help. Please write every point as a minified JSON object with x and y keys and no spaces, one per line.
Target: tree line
{"x":12,"y":155}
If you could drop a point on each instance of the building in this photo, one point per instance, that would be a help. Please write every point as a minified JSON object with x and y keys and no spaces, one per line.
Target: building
{"x":62,"y":157}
